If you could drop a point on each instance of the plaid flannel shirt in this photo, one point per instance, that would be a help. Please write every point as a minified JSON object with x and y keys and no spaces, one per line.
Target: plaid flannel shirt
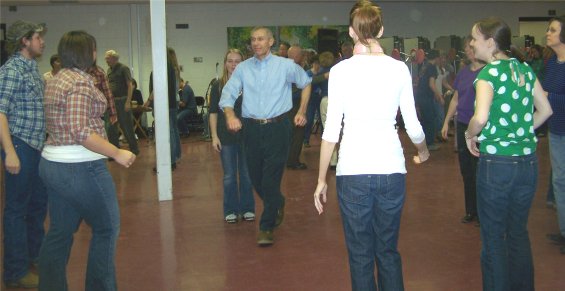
{"x":73,"y":107}
{"x":21,"y":100}
{"x":101,"y":82}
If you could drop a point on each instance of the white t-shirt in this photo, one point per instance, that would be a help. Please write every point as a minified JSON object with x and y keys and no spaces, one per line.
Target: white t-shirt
{"x":367,"y":92}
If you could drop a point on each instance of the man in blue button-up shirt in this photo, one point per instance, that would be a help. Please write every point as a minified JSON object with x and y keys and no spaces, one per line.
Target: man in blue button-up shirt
{"x":22,"y":133}
{"x":266,"y":81}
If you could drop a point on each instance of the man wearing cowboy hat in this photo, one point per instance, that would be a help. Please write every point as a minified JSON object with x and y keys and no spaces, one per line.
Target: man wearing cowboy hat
{"x":22,"y":133}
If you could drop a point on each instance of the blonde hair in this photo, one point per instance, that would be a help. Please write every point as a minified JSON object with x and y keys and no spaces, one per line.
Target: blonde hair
{"x":327,"y":59}
{"x":225,"y":76}
{"x":112,"y":53}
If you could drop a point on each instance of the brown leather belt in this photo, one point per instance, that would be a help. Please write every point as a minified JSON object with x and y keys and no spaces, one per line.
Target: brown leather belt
{"x":268,"y":120}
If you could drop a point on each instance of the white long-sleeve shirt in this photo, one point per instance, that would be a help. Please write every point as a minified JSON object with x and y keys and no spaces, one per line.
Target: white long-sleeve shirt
{"x":367,"y":92}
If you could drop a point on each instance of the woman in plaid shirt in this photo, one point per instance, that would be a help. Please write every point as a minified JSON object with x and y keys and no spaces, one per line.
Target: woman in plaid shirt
{"x":73,"y":166}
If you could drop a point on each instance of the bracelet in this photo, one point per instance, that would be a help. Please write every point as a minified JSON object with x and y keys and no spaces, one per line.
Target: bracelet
{"x":467,"y":135}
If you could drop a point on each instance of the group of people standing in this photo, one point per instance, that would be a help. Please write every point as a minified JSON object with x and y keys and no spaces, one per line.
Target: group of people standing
{"x":65,"y":172}
{"x":250,"y":113}
{"x":499,"y":106}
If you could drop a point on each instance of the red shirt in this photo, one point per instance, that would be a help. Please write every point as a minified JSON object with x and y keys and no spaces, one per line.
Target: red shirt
{"x":101,"y":82}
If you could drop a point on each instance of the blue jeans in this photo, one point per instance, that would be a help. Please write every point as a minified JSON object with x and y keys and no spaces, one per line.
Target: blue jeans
{"x":237,"y":200}
{"x":79,"y":191}
{"x":557,"y":155}
{"x":439,"y":114}
{"x":24,"y":213}
{"x":428,"y":118}
{"x":182,"y":119}
{"x":505,"y":189}
{"x":313,"y":107}
{"x":371,"y":206}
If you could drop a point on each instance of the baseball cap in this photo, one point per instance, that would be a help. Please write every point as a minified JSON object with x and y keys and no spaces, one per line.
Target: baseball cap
{"x":20,"y":28}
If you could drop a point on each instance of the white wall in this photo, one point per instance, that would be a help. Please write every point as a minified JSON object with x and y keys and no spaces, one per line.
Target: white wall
{"x":126,"y":28}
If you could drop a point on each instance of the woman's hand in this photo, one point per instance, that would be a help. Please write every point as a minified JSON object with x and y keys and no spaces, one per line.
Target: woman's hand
{"x":472,"y":146}
{"x":445,"y":130}
{"x":321,"y":190}
{"x":216,"y":144}
{"x":125,"y":158}
{"x":422,"y":156}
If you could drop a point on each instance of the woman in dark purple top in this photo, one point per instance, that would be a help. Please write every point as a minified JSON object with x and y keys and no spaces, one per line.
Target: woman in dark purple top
{"x":463,"y":102}
{"x":554,"y":84}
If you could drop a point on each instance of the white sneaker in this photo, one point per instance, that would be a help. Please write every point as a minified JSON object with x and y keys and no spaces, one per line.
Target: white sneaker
{"x":231,"y":218}
{"x":249,"y":216}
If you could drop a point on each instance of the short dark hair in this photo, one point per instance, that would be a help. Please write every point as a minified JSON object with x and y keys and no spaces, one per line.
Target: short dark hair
{"x":433,"y":54}
{"x":53,"y":59}
{"x":76,"y":49}
{"x":561,"y":20}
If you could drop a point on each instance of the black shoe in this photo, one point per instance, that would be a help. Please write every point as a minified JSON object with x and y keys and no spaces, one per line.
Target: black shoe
{"x":280,"y":214}
{"x":556,"y":238}
{"x":299,"y":166}
{"x":332,"y":168}
{"x":467,"y":218}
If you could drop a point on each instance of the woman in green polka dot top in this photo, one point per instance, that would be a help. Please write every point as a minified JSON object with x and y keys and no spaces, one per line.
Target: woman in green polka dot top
{"x":507,"y":91}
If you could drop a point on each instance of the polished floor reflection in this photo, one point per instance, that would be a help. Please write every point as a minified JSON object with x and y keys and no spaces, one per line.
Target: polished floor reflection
{"x":184,"y":244}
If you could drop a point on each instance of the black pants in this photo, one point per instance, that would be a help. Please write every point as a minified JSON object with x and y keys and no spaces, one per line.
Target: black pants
{"x":266,"y":148}
{"x":297,"y":137}
{"x":468,"y":168}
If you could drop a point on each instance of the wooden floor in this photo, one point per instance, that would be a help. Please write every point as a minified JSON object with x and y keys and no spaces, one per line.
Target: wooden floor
{"x":184,"y":244}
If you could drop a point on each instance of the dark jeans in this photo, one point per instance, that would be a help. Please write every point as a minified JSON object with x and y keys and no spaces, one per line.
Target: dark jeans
{"x":24,"y":213}
{"x":428,"y":118}
{"x":266,"y":150}
{"x":125,"y":120}
{"x":174,"y":137}
{"x":238,"y":191}
{"x":297,"y":137}
{"x":505,"y":188}
{"x":79,"y":191}
{"x":371,"y":206}
{"x":313,"y":107}
{"x":468,"y":168}
{"x":183,"y":117}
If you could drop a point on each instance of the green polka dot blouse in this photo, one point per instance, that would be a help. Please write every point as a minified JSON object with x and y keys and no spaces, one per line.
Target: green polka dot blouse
{"x":510,"y":127}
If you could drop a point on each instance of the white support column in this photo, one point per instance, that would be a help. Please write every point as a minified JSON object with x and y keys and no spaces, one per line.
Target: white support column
{"x":161,"y":101}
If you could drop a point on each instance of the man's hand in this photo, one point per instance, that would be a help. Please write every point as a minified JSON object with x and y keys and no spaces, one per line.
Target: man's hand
{"x":233,"y":123}
{"x":300,"y":119}
{"x":127,"y":107}
{"x":12,"y":163}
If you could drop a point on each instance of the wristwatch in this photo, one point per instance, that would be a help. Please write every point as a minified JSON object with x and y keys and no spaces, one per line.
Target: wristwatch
{"x":467,"y":135}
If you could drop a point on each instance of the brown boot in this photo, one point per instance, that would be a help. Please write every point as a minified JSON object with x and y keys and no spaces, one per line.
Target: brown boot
{"x":30,"y":280}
